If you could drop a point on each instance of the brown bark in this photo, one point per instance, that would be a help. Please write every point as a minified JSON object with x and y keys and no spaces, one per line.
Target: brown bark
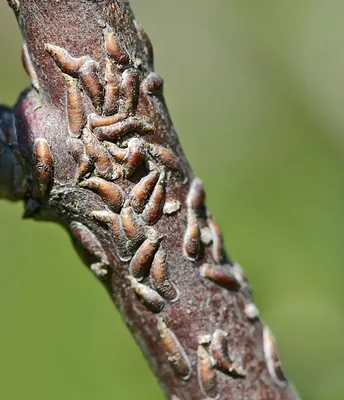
{"x":91,"y":146}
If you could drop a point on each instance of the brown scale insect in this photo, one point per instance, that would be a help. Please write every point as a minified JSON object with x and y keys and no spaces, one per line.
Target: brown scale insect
{"x":134,"y":156}
{"x":116,"y":131}
{"x":218,"y":350}
{"x":89,"y":78}
{"x":111,"y":193}
{"x":155,"y":206}
{"x":97,"y":155}
{"x":174,"y":350}
{"x":77,"y":150}
{"x":75,"y":107}
{"x":67,"y":64}
{"x":90,"y":242}
{"x":44,"y":165}
{"x":220,"y":274}
{"x":142,"y":190}
{"x":148,"y":297}
{"x":272,"y":359}
{"x":192,"y":237}
{"x":160,"y":277}
{"x":114,"y":223}
{"x":207,"y":375}
{"x":148,"y":47}
{"x":118,"y":153}
{"x":111,"y":88}
{"x":112,"y":47}
{"x":29,"y":68}
{"x":196,"y":195}
{"x":83,"y":68}
{"x":143,"y":258}
{"x":240,"y":275}
{"x":103,"y":165}
{"x":164,"y":156}
{"x":152,"y":84}
{"x":96,"y":121}
{"x":129,"y":90}
{"x":218,"y":247}
{"x":132,"y":227}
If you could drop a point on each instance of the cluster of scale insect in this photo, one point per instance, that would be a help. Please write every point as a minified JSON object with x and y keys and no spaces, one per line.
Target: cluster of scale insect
{"x":202,"y":230}
{"x":109,"y":147}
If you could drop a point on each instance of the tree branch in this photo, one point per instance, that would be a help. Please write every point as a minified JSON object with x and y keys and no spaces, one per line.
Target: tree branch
{"x":92,"y":147}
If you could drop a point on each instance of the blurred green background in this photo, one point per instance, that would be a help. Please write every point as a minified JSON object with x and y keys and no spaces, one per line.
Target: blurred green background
{"x":256,"y":91}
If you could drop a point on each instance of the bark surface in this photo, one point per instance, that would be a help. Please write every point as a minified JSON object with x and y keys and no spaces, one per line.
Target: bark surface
{"x":91,"y":146}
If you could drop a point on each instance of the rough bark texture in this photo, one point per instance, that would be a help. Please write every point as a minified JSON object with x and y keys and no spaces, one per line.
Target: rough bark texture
{"x":91,"y":146}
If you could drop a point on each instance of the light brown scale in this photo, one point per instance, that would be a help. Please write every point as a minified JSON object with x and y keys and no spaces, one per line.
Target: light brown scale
{"x":218,"y":246}
{"x":221,"y":275}
{"x":160,"y":277}
{"x":111,"y":89}
{"x":164,"y":156}
{"x":89,"y":142}
{"x":239,"y":273}
{"x":117,"y":153}
{"x":129,"y":90}
{"x":142,"y":260}
{"x":112,"y":47}
{"x":67,"y":64}
{"x":116,"y":131}
{"x":75,"y":107}
{"x":241,"y":277}
{"x":114,"y":223}
{"x":97,"y":121}
{"x":155,"y":206}
{"x":132,"y":227}
{"x":192,"y":237}
{"x":43,"y":165}
{"x":104,"y":166}
{"x":207,"y":375}
{"x":90,"y":242}
{"x":148,"y":297}
{"x":77,"y":150}
{"x":142,"y":190}
{"x":83,"y":68}
{"x":85,"y":166}
{"x":134,"y":156}
{"x":29,"y":68}
{"x":98,"y":155}
{"x":111,"y":193}
{"x":152,"y":84}
{"x":272,"y":358}
{"x":174,"y":350}
{"x":219,"y":351}
{"x":196,"y":195}
{"x":148,"y":47}
{"x":89,"y":78}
